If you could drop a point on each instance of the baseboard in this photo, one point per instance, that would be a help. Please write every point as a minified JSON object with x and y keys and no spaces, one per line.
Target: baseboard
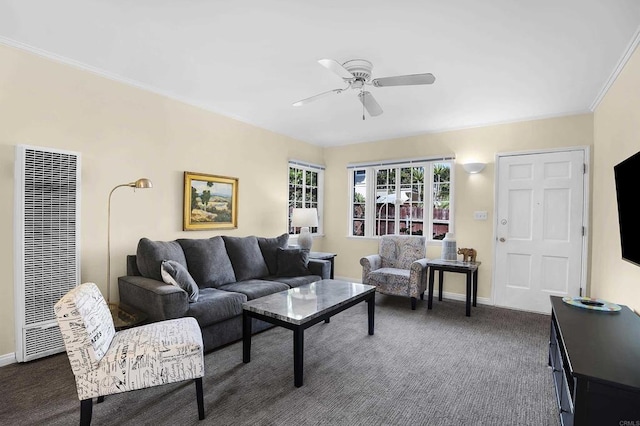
{"x":445,"y":295}
{"x":463,"y":298}
{"x":7,"y":359}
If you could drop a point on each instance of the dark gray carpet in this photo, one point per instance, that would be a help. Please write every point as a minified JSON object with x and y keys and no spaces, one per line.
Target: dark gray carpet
{"x":421,"y":367}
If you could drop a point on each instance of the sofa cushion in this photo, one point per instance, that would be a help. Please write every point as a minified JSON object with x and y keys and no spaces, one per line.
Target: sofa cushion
{"x":151,"y":254}
{"x":246,"y":257}
{"x":207,"y":261}
{"x":215,"y":305}
{"x":411,"y":250}
{"x":295,"y":281}
{"x":254,"y":289}
{"x":292,"y":262}
{"x":174,"y":273}
{"x":388,"y":252}
{"x":269,"y":248}
{"x":391,"y":281}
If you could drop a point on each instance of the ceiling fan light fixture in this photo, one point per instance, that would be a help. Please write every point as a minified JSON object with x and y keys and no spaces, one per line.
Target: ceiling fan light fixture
{"x":356,"y":73}
{"x":359,"y":68}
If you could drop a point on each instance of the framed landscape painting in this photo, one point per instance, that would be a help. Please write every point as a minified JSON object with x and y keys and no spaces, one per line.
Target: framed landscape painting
{"x":210,"y":202}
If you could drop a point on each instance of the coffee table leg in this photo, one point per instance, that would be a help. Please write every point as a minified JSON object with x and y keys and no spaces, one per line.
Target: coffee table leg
{"x":298,"y":355}
{"x":440,"y":284}
{"x":371,"y":304}
{"x":246,"y":337}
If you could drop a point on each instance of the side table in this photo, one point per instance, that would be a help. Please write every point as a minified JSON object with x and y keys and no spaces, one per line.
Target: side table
{"x":125,"y":316}
{"x":468,"y":268}
{"x":324,"y":256}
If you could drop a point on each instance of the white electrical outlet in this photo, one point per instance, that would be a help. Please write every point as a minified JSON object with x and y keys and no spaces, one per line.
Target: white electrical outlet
{"x":480,"y":215}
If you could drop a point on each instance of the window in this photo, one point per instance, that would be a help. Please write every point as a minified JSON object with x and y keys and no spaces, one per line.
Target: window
{"x":412,"y":198}
{"x":306,"y":186}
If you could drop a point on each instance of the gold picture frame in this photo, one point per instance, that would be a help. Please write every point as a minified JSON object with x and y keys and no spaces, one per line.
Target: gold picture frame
{"x":210,"y":202}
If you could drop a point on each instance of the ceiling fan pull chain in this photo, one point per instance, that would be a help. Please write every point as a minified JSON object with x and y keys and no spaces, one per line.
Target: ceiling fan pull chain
{"x":362,"y":95}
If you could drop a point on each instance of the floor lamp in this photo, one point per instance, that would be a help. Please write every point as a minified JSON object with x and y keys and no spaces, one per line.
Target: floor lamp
{"x":141,"y":183}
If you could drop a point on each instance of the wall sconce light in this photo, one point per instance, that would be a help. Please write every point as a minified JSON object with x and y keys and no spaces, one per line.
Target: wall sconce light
{"x":473,"y":168}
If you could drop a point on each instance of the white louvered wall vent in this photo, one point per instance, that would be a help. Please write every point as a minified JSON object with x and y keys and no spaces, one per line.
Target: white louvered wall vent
{"x":47,"y":264}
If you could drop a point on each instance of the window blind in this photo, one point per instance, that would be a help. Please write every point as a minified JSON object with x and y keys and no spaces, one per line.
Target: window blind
{"x":306,"y":164}
{"x":398,"y":162}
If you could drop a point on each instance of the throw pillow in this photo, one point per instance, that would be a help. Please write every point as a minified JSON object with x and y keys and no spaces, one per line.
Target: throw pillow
{"x":208,"y":261}
{"x":150,"y":254}
{"x":293,"y":262}
{"x":246,"y":258}
{"x":174,"y":273}
{"x":269,"y":248}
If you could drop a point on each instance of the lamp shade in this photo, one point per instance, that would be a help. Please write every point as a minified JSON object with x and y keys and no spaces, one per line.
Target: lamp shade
{"x":142,"y":183}
{"x":304,"y":217}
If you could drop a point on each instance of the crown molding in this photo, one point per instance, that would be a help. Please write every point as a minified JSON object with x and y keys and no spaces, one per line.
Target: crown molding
{"x":617,"y":70}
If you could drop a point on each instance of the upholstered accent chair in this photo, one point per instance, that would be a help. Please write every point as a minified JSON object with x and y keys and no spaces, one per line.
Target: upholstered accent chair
{"x":106,"y":362}
{"x":399,"y":268}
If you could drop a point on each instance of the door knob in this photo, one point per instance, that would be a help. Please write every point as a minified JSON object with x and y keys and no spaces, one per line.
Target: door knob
{"x":502,"y":240}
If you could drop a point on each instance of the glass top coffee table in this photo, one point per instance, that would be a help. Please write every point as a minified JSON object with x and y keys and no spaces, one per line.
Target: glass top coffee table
{"x":125,"y":316}
{"x":299,"y":308}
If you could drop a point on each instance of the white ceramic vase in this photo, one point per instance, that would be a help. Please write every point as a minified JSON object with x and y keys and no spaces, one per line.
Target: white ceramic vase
{"x":449,"y":250}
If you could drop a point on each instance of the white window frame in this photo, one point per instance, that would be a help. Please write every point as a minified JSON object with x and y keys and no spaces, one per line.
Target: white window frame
{"x":371,"y":170}
{"x":308,"y":167}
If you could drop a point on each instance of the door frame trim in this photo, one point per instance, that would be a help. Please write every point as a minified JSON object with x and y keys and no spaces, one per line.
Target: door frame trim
{"x":585,"y":149}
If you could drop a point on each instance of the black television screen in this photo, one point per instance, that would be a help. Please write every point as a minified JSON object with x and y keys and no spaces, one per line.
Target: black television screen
{"x":628,"y":194}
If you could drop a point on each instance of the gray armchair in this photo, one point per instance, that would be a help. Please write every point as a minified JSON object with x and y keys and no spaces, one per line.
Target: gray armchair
{"x":399,"y":268}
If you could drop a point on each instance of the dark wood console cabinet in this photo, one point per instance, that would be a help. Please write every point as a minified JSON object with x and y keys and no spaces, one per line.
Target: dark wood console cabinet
{"x":595,"y":361}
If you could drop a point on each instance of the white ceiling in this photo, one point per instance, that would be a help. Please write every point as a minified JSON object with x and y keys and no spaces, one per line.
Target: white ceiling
{"x":494,"y":61}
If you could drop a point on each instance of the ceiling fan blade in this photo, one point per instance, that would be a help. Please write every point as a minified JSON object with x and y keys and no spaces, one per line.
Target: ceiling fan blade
{"x":404,"y":80}
{"x":369,"y":102}
{"x":338,"y":69}
{"x":318,"y":96}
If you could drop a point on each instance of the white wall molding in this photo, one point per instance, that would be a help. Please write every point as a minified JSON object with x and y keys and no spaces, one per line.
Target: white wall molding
{"x":7,"y":359}
{"x":617,"y":70}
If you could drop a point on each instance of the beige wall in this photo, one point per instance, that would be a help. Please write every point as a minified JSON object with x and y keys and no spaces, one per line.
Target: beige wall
{"x":124,"y":133}
{"x":616,"y":137}
{"x":472,"y":192}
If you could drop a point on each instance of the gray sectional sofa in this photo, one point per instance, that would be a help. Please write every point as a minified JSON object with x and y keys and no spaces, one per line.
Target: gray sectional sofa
{"x":227,"y":270}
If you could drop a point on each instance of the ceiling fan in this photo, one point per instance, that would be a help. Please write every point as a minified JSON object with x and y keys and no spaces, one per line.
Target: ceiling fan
{"x":356,"y":73}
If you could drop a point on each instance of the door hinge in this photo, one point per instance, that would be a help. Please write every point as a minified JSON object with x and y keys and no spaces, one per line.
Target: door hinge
{"x":580,"y":292}
{"x":584,"y":168}
{"x":583,"y":230}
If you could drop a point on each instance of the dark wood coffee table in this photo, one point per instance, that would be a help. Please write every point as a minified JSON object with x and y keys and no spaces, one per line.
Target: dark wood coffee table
{"x":299,"y":308}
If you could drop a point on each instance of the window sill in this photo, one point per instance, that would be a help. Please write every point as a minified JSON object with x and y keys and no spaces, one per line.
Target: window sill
{"x":295,"y":236}
{"x":430,"y":242}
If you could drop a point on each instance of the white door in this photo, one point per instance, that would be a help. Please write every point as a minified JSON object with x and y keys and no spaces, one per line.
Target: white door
{"x":539,"y":232}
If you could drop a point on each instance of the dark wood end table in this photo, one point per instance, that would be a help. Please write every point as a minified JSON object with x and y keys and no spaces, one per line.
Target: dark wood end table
{"x":124,"y":316}
{"x":324,"y":256}
{"x":468,"y":268}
